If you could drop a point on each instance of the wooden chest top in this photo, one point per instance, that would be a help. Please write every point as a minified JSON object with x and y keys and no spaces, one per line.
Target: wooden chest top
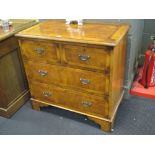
{"x":96,"y":33}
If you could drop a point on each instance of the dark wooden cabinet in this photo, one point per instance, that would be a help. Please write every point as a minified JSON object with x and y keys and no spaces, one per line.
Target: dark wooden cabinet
{"x":13,"y":84}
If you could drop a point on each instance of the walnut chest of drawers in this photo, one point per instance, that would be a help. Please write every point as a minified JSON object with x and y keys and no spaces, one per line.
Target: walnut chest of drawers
{"x":76,"y":68}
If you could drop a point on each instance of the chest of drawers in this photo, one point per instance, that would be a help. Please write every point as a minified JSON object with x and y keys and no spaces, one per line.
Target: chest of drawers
{"x":76,"y":68}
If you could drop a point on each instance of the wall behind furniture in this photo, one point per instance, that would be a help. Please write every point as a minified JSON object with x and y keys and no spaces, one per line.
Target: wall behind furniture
{"x":149,"y":29}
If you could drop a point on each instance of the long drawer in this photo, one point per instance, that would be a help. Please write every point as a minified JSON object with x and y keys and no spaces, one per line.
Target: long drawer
{"x":39,"y":51}
{"x":69,"y":99}
{"x":74,"y":78}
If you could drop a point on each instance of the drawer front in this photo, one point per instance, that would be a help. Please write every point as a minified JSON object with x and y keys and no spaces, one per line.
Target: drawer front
{"x":39,"y":51}
{"x":69,"y":99}
{"x":66,"y":76}
{"x":89,"y":57}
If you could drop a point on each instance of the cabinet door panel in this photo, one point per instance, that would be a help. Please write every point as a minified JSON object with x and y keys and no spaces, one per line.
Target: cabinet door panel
{"x":12,"y":81}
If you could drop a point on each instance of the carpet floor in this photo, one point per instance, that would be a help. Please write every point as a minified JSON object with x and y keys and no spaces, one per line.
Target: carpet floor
{"x":135,"y":116}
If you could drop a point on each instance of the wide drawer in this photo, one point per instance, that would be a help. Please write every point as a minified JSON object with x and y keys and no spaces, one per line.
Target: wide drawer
{"x":69,"y":99}
{"x":74,"y":78}
{"x":89,"y":57}
{"x":36,"y":50}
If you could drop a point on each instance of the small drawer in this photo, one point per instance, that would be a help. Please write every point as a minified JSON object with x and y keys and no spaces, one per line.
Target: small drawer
{"x":44,"y":51}
{"x":69,"y":99}
{"x":65,"y":76}
{"x":89,"y":57}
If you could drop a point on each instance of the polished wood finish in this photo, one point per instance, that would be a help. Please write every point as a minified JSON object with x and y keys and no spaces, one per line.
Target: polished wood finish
{"x":42,"y":51}
{"x":87,"y":56}
{"x":65,"y":76}
{"x":117,"y":74}
{"x":13,"y":83}
{"x":75,"y":100}
{"x":82,"y":69}
{"x":88,"y":33}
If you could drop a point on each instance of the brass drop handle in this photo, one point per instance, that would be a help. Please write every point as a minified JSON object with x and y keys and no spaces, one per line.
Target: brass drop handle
{"x":84,"y":57}
{"x":85,"y":81}
{"x":86,"y":104}
{"x":39,"y":50}
{"x":47,"y":94}
{"x":42,"y":72}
